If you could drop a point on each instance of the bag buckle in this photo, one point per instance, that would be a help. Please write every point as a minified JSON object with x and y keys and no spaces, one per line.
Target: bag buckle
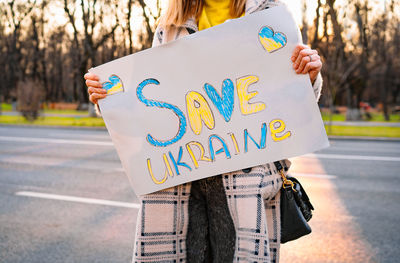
{"x":286,"y":182}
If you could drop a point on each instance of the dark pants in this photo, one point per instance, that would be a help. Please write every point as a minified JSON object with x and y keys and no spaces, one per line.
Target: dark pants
{"x":211,"y":233}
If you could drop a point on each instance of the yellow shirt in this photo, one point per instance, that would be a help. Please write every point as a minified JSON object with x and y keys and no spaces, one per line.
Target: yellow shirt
{"x":214,"y":12}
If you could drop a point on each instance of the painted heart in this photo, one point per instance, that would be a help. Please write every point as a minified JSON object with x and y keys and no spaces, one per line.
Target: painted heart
{"x":270,"y":40}
{"x":114,"y":85}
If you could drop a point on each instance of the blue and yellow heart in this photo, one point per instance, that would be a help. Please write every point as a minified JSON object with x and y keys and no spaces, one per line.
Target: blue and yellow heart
{"x":271,"y":41}
{"x":114,"y":85}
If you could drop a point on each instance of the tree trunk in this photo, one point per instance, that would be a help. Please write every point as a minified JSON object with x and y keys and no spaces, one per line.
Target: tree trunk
{"x":316,"y":26}
{"x":386,"y":88}
{"x":304,"y":28}
{"x":128,"y":21}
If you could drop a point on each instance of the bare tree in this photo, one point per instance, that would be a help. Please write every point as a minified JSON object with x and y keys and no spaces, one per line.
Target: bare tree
{"x":128,"y":23}
{"x":150,"y":19}
{"x":316,"y":38}
{"x":359,"y":48}
{"x":3,"y":57}
{"x":89,"y":43}
{"x":15,"y":13}
{"x":304,"y":26}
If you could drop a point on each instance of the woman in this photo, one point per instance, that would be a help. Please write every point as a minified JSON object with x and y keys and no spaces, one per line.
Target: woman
{"x":232,"y":217}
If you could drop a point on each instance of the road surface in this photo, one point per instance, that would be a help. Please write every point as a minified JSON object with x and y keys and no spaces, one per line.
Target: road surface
{"x":65,"y":198}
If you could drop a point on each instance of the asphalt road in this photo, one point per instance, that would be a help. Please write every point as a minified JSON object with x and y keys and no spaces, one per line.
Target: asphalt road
{"x":64,"y":198}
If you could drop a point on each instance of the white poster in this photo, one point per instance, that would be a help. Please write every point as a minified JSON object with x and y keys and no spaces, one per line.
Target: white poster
{"x":216,"y":101}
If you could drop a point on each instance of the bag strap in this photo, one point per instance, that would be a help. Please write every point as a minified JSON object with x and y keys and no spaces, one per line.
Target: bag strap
{"x":286,"y":182}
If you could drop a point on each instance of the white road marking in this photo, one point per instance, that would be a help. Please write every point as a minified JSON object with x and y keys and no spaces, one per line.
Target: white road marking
{"x":81,"y":135}
{"x":321,"y":176}
{"x":352,"y":157}
{"x":48,"y":140}
{"x":125,"y":204}
{"x":78,"y":199}
{"x":59,"y":163}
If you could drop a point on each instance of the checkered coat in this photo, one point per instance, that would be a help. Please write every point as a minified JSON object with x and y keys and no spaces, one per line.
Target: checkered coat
{"x":252,"y":198}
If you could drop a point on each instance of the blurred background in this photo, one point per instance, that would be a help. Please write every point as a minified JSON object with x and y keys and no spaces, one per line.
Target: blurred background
{"x":63,"y":194}
{"x":47,"y":46}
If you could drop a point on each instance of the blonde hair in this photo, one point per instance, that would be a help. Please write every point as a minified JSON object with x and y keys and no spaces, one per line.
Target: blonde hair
{"x":179,"y":11}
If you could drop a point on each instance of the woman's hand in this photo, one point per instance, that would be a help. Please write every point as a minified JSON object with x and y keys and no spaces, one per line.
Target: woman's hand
{"x":95,"y":90}
{"x":306,"y":60}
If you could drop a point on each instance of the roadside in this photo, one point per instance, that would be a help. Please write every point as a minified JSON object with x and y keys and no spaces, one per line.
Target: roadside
{"x":362,"y":131}
{"x":378,"y":130}
{"x":81,"y":114}
{"x":363,"y":123}
{"x":55,"y":120}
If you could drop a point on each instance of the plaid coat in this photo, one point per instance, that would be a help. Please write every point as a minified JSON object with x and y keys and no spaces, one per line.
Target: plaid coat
{"x":252,"y":198}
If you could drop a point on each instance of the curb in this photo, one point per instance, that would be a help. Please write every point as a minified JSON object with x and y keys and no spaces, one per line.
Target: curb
{"x":364,"y":138}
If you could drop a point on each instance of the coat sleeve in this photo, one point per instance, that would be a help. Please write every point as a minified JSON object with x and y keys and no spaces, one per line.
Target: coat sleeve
{"x":158,"y":36}
{"x":317,"y":86}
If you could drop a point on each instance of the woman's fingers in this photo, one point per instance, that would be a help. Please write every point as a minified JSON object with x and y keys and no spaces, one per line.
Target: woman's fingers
{"x":93,"y":83}
{"x":312,"y":68}
{"x":94,"y":97}
{"x":314,"y":65}
{"x":297,"y":50}
{"x":96,"y":93}
{"x":302,"y":59}
{"x":91,"y":76}
{"x":306,"y":60}
{"x":96,"y":90}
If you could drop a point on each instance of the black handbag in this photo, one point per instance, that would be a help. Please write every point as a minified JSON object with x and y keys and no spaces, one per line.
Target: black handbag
{"x":296,"y":208}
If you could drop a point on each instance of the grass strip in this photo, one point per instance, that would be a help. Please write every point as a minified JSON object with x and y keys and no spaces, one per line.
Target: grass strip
{"x":393,"y":132}
{"x":6,"y":107}
{"x":56,"y":121}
